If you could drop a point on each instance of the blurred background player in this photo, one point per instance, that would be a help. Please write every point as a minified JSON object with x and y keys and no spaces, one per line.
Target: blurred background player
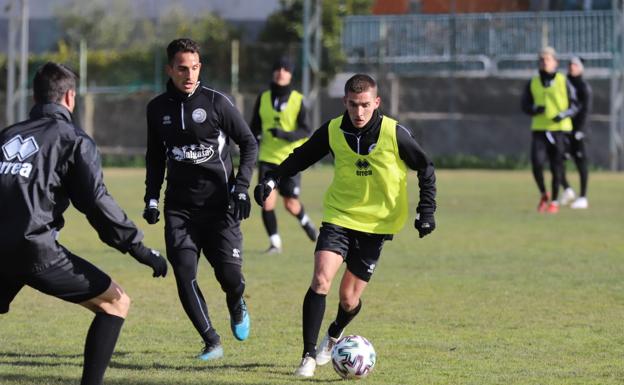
{"x":365,"y":205}
{"x":54,"y":163}
{"x":280,"y":125}
{"x":189,"y":129}
{"x":577,"y":138}
{"x":551,"y":101}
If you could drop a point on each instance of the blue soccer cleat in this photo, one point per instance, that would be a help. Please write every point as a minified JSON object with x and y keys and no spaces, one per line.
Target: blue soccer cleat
{"x":211,"y":352}
{"x":240,"y":322}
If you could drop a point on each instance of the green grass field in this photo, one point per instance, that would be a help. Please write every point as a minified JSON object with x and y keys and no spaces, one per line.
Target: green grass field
{"x":498,"y":294}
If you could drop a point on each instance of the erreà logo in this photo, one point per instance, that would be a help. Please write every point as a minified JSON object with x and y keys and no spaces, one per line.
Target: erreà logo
{"x":21,"y":149}
{"x":363,"y":168}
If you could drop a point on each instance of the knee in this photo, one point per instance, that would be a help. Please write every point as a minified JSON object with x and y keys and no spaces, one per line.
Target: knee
{"x":292,"y":205}
{"x":230,"y":278}
{"x":320,"y":284}
{"x":120,"y":306}
{"x":349,"y":302}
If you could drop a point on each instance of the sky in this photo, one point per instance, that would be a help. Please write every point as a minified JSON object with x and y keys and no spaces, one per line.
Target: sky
{"x":227,"y":9}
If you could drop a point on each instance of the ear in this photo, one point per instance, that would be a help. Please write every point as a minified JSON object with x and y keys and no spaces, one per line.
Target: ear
{"x":377,"y":102}
{"x":69,"y":99}
{"x":169,"y":69}
{"x":344,"y":101}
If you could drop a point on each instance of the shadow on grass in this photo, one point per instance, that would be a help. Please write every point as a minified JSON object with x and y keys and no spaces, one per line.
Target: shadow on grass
{"x":16,"y":360}
{"x":50,"y":380}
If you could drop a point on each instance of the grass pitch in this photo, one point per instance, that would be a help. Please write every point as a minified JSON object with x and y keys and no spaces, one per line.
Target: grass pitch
{"x":498,"y":294}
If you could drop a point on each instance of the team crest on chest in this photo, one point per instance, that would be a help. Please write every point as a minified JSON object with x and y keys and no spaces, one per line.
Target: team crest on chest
{"x":199,"y":115}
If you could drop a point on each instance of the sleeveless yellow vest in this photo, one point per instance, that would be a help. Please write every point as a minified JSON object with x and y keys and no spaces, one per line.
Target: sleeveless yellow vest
{"x":274,"y":150}
{"x":555,"y":100}
{"x":368,"y":192}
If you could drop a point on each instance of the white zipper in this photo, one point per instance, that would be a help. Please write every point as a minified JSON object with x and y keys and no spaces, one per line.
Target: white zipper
{"x":182,"y":114}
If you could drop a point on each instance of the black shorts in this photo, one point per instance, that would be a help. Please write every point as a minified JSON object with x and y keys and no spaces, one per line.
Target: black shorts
{"x":287,"y":187}
{"x":219,"y":238}
{"x":359,"y":250}
{"x":71,"y":279}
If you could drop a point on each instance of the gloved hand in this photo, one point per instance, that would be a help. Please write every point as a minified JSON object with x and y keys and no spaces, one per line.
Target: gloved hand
{"x":278,"y":133}
{"x":579,"y":135}
{"x":151,"y":213}
{"x":149,"y":257}
{"x":538,"y":110}
{"x":559,"y":117}
{"x":424,"y":223}
{"x":242,"y":204}
{"x":263,"y":190}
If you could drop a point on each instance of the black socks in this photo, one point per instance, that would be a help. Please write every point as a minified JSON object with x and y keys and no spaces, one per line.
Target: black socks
{"x":270,"y":221}
{"x":342,"y":320}
{"x":99,"y":346}
{"x":313,"y":312}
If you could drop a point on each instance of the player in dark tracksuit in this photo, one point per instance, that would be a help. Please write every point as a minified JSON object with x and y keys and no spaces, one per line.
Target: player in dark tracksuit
{"x":189,"y":129}
{"x":46,"y":163}
{"x":577,"y":138}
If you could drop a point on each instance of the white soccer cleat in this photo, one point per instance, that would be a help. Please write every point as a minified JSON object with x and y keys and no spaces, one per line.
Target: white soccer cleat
{"x":580,"y":203}
{"x":307,"y":367}
{"x":567,"y":197}
{"x":324,"y":350}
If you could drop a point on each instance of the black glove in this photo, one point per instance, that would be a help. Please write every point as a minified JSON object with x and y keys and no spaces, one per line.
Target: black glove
{"x":558,"y":118}
{"x":424,"y":223}
{"x":280,"y":134}
{"x":149,"y":257}
{"x":263,"y":190}
{"x":538,"y":110}
{"x":151,"y":214}
{"x":242,"y":204}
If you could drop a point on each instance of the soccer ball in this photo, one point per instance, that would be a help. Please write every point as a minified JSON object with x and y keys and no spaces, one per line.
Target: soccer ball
{"x":353,"y":357}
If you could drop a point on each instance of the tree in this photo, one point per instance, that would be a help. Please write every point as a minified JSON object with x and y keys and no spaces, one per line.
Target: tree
{"x":285,"y":26}
{"x":102,"y":23}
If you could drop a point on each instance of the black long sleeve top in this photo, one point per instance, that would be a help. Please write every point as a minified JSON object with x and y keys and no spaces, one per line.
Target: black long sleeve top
{"x":190,"y":136}
{"x":362,"y":141}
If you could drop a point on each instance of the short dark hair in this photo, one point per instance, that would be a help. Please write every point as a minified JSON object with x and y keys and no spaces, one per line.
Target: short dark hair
{"x":181,"y":45}
{"x":52,"y":81}
{"x":359,"y":83}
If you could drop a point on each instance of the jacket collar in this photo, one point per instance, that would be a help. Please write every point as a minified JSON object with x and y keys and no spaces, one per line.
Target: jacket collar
{"x":52,"y":110}
{"x":372,"y":124}
{"x":176,"y":94}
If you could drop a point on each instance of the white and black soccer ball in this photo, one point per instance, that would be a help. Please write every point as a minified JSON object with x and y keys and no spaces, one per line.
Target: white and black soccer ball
{"x":353,"y":357}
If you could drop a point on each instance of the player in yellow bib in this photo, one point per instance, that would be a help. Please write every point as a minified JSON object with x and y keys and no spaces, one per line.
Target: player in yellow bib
{"x":365,"y":205}
{"x":280,"y":125}
{"x":551,"y":101}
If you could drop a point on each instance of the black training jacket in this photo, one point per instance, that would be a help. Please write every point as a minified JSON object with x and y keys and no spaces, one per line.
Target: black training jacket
{"x":45,"y":164}
{"x":362,"y":141}
{"x":585,"y":101}
{"x":189,"y":135}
